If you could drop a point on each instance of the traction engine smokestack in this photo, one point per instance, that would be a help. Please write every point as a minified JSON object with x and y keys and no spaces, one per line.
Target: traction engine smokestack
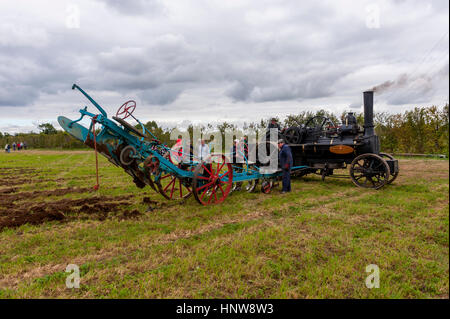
{"x":368,"y":114}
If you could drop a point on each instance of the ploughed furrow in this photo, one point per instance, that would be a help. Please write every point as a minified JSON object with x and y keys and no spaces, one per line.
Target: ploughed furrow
{"x":17,"y":209}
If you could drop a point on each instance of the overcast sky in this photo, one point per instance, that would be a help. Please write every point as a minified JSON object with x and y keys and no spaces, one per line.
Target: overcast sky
{"x":210,"y":61}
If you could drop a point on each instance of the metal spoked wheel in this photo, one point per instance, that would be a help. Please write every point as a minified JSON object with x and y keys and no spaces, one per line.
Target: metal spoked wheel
{"x":266,"y":186}
{"x":212,"y":182}
{"x":369,"y":171}
{"x":393,"y":175}
{"x":248,"y":186}
{"x":151,"y":163}
{"x":173,"y":187}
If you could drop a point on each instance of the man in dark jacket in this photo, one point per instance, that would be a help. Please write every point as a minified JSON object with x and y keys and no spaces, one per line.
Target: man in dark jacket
{"x":286,"y":162}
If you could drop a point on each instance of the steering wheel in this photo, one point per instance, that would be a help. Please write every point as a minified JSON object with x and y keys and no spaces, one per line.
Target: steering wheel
{"x":325,"y":120}
{"x":126,"y":109}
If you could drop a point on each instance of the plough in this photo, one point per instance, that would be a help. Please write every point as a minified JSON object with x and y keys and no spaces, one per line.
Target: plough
{"x":149,"y":162}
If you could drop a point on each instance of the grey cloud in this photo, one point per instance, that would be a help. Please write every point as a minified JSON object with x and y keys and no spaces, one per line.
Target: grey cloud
{"x":282,"y":86}
{"x":418,"y":95}
{"x":17,"y":95}
{"x":355,"y":105}
{"x":135,"y":7}
{"x":264,"y":52}
{"x":162,"y":95}
{"x":239,"y":91}
{"x":29,"y":71}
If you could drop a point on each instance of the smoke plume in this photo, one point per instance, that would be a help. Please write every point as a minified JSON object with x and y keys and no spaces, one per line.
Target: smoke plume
{"x":403,"y":80}
{"x":424,"y":81}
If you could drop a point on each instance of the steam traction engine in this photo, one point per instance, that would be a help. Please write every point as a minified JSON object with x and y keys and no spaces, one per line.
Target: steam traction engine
{"x":323,"y":146}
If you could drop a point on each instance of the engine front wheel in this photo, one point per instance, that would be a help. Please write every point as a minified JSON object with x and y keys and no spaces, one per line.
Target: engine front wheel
{"x":369,"y":171}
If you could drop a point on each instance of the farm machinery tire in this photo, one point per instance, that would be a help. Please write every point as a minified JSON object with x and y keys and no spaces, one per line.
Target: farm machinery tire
{"x":148,"y":172}
{"x":249,"y":186}
{"x":175,"y":188}
{"x":266,"y":186}
{"x":369,"y":171}
{"x":212,"y":182}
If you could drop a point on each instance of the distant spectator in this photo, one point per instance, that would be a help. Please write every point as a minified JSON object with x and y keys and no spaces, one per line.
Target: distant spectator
{"x":14,"y":146}
{"x":24,"y":145}
{"x":7,"y":148}
{"x":236,"y":152}
{"x":204,"y":156}
{"x":177,"y":151}
{"x":203,"y":151}
{"x":274,"y":124}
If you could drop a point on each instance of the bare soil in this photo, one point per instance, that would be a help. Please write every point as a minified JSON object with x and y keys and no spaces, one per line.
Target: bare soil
{"x":35,"y":207}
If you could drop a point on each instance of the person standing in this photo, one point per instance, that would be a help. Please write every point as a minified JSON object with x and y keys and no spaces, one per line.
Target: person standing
{"x":14,"y":146}
{"x":237,"y":159}
{"x":7,"y":148}
{"x":204,"y":155}
{"x":236,"y":152}
{"x":203,"y":150}
{"x":286,"y":162}
{"x":274,"y":124}
{"x":177,"y":151}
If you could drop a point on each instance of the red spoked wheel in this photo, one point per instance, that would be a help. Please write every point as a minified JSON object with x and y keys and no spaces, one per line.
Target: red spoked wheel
{"x":266,"y":186}
{"x":126,"y":109}
{"x":152,"y":169}
{"x":173,"y":187}
{"x":151,"y":164}
{"x":213,"y":180}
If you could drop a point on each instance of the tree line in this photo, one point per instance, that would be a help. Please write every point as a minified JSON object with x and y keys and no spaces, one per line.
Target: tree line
{"x":423,"y":130}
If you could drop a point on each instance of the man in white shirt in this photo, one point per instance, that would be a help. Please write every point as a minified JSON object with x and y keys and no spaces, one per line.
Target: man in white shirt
{"x":204,"y":152}
{"x":204,"y":156}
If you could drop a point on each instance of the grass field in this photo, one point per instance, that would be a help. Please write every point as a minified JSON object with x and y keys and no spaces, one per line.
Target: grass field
{"x":312,"y":243}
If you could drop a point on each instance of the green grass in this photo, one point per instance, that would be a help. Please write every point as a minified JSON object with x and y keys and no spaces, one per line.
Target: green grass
{"x":312,"y":243}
